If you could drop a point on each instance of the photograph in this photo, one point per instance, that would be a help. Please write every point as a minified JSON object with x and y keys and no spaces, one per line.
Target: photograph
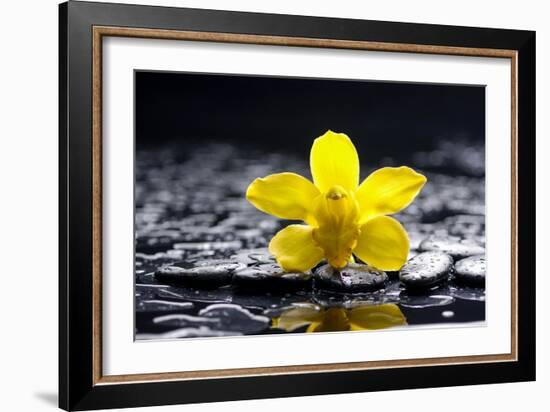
{"x":272,"y":205}
{"x":276,"y":205}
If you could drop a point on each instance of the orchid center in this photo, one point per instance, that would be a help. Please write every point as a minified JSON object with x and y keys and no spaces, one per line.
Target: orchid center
{"x":336,"y":193}
{"x":336,"y":209}
{"x":337,"y":215}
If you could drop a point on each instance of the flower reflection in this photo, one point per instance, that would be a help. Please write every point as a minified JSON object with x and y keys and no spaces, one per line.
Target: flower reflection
{"x":333,"y":319}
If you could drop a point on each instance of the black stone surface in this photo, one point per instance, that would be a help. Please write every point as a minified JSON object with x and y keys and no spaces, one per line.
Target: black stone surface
{"x":270,"y":276}
{"x":353,"y":278}
{"x":455,"y":246}
{"x":207,"y":273}
{"x":426,"y":269}
{"x":471,"y":270}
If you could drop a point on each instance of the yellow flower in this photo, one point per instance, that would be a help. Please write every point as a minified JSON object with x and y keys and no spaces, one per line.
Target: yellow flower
{"x":342,"y":217}
{"x":365,"y":317}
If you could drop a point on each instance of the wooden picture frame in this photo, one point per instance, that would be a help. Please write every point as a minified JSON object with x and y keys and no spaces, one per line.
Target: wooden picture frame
{"x":82,"y":28}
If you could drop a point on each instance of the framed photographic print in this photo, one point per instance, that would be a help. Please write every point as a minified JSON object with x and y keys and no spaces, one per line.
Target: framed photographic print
{"x":257,"y":205}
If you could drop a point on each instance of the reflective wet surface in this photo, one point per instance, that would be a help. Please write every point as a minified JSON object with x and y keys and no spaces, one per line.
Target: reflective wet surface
{"x":202,"y":268}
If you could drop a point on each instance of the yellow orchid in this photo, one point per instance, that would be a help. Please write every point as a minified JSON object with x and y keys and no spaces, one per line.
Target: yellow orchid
{"x":342,"y":217}
{"x":365,"y":317}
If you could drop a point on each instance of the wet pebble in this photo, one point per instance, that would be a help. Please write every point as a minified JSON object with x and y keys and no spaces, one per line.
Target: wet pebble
{"x":354,"y":277}
{"x":426,"y":269}
{"x":452,"y":245}
{"x":270,"y":276}
{"x":254,"y":256}
{"x":236,"y":318}
{"x":200,"y":219}
{"x":206,"y":273}
{"x":160,"y":257}
{"x":181,"y":320}
{"x":156,"y":305}
{"x":195,"y":246}
{"x":421,"y":302}
{"x":471,"y":270}
{"x":248,"y":234}
{"x":205,"y":234}
{"x":242,"y":221}
{"x":219,"y":295}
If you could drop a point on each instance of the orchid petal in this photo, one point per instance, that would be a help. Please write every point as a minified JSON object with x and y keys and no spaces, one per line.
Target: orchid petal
{"x":284,"y":195}
{"x":334,"y":162}
{"x":294,"y":248}
{"x":383,"y":243}
{"x":388,"y":190}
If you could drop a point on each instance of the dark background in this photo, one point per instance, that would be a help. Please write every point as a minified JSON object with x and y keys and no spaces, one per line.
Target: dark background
{"x":281,"y":113}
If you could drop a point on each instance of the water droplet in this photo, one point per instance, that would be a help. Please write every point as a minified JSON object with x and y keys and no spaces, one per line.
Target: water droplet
{"x":447,"y":314}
